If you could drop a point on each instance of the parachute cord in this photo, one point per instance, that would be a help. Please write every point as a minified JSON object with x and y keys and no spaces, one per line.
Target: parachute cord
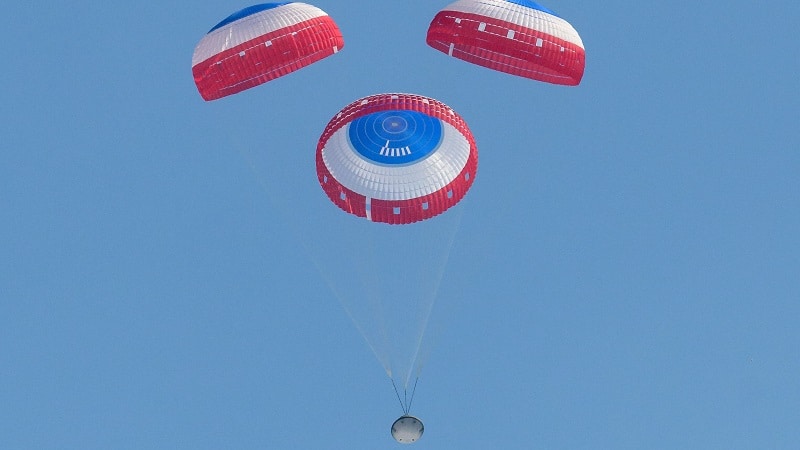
{"x":413,"y":391}
{"x":418,"y":361}
{"x":379,"y":353}
{"x":402,"y":406}
{"x":405,"y":401}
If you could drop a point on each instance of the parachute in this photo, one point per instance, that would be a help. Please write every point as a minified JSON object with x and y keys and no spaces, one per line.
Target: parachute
{"x":261,"y":43}
{"x":401,"y":161}
{"x":518,"y":37}
{"x":396,"y":158}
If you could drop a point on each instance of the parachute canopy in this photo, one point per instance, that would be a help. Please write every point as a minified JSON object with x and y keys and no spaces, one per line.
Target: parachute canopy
{"x":396,"y":158}
{"x":261,"y":43}
{"x":518,"y":37}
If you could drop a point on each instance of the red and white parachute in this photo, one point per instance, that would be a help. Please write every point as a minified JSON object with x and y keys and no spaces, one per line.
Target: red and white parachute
{"x":396,"y":158}
{"x":261,"y":43}
{"x":518,"y":37}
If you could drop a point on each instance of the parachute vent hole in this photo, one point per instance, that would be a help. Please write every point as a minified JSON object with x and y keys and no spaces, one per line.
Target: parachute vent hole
{"x":539,"y":42}
{"x":425,"y":206}
{"x":324,"y":178}
{"x":450,"y":193}
{"x":241,"y":53}
{"x":268,"y":43}
{"x":342,"y":196}
{"x":396,"y":210}
{"x":466,"y":176}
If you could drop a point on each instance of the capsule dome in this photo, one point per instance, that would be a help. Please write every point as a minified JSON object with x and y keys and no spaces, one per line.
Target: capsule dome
{"x":407,"y":429}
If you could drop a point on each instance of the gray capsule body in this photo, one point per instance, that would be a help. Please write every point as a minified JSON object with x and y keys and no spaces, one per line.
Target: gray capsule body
{"x":407,"y":429}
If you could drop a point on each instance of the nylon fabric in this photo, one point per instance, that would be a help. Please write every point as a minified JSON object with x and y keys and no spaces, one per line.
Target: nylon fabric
{"x":410,"y":190}
{"x":262,"y":46}
{"x":511,"y":38}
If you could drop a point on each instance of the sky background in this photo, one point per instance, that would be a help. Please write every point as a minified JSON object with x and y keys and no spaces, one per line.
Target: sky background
{"x":625,"y":274}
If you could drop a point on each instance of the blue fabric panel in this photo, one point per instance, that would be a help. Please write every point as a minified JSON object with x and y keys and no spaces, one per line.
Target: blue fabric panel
{"x":250,"y":10}
{"x":395,"y":137}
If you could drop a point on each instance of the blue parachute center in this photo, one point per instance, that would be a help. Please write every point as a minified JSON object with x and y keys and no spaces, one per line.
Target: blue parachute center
{"x":533,"y":5}
{"x":395,"y":137}
{"x":249,"y":11}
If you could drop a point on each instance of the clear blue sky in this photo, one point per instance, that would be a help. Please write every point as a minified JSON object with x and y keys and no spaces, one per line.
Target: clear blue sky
{"x":626,"y":273}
